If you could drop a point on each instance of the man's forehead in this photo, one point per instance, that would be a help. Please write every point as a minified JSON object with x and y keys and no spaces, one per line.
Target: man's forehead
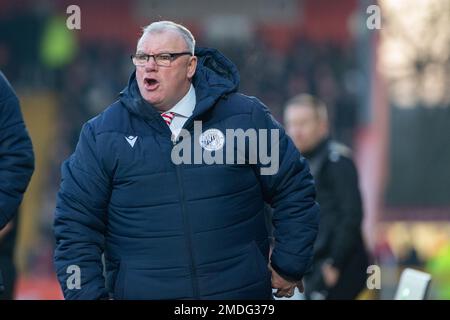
{"x":300,"y":110}
{"x":161,"y":41}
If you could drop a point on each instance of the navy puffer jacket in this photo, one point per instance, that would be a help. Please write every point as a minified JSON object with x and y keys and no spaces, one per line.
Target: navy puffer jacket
{"x":180,"y":231}
{"x":16,"y":153}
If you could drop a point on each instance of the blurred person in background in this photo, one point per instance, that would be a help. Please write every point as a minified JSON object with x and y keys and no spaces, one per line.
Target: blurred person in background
{"x":181,"y":231}
{"x":340,"y":258}
{"x":16,"y":168}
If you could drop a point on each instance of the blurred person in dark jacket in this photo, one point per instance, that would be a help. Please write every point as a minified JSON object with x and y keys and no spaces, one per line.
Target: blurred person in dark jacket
{"x":16,"y":168}
{"x":340,"y":259}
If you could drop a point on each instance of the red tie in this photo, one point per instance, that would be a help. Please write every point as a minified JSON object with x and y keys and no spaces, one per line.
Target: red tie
{"x":168,"y":117}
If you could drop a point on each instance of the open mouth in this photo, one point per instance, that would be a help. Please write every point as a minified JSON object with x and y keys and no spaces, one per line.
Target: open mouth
{"x":151,"y":84}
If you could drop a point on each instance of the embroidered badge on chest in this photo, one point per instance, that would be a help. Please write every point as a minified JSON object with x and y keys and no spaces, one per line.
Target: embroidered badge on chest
{"x":212,"y":140}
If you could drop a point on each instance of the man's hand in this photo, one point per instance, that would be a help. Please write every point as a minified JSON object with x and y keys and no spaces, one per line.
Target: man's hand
{"x":330,"y":275}
{"x":285,"y":288}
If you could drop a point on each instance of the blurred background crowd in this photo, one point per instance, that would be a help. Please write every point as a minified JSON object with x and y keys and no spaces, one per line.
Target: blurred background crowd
{"x":387,"y":91}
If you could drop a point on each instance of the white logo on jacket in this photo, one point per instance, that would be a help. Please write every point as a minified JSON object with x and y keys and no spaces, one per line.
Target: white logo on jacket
{"x":252,"y":146}
{"x":212,"y":140}
{"x":131,"y":140}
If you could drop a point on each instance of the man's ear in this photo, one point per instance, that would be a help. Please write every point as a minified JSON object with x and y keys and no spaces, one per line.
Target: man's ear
{"x":192,"y":66}
{"x":324,"y":127}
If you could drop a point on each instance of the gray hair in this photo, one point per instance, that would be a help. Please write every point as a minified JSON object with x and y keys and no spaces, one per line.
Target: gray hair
{"x":163,"y":26}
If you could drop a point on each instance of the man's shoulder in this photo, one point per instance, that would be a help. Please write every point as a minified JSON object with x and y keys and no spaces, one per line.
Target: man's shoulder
{"x":242,"y":103}
{"x":6,"y":90}
{"x":8,"y":97}
{"x":338,"y":151}
{"x":9,"y":104}
{"x":112,"y":119}
{"x":340,"y":158}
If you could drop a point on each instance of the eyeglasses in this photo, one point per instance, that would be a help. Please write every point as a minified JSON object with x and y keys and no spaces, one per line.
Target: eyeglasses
{"x":161,"y":59}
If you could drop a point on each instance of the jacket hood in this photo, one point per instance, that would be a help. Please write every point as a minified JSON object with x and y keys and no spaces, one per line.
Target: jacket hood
{"x":215,"y":77}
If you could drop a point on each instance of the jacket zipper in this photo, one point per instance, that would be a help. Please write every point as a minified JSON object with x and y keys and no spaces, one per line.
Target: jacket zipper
{"x":187,"y":228}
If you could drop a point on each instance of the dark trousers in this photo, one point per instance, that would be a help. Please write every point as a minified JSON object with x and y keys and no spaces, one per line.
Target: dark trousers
{"x":352,"y":280}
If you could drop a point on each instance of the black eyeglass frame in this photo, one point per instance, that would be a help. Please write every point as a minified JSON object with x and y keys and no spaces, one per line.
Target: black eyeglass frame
{"x":172,"y":57}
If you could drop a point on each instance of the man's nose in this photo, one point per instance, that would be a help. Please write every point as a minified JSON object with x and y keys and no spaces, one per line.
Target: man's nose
{"x":151,"y":64}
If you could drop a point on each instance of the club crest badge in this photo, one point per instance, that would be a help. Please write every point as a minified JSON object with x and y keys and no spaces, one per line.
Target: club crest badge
{"x":212,"y":140}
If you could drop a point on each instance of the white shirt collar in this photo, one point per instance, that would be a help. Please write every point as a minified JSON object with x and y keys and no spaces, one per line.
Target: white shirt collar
{"x":186,"y":105}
